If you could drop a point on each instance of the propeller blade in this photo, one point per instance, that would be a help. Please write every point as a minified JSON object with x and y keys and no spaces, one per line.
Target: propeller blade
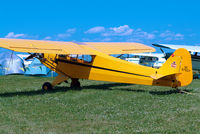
{"x":31,"y":56}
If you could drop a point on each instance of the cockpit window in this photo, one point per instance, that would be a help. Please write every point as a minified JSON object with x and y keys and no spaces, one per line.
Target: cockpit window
{"x":62,"y":55}
{"x":87,"y":58}
{"x":81,"y":58}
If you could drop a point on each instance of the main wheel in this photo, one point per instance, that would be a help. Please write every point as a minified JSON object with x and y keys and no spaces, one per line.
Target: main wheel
{"x":75,"y":83}
{"x":47,"y":86}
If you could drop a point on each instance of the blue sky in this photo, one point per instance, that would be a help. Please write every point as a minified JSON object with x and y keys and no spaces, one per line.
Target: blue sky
{"x":143,"y":21}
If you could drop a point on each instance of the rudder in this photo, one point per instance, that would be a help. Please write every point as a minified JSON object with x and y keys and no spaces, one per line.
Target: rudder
{"x":178,"y":67}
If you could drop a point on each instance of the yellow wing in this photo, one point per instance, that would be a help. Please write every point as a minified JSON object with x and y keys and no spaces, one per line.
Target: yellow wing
{"x":37,"y":46}
{"x":57,"y":47}
{"x":120,"y":47}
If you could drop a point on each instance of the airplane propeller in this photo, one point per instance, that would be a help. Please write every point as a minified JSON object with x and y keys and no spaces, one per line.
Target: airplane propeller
{"x":30,"y":56}
{"x":37,"y":55}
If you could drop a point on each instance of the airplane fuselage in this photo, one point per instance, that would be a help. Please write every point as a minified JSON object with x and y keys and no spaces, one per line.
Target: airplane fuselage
{"x":105,"y":68}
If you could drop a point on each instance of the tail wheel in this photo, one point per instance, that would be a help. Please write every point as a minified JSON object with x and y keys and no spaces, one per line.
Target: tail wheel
{"x":47,"y":86}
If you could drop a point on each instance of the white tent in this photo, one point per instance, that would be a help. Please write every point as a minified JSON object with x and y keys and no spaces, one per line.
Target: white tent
{"x":11,"y":64}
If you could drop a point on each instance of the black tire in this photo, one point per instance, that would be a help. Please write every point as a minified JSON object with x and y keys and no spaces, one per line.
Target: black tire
{"x":75,"y":83}
{"x":47,"y":86}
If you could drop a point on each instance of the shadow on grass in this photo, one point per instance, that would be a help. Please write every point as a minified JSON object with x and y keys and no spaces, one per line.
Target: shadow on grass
{"x":32,"y":93}
{"x":61,"y":89}
{"x":173,"y":91}
{"x":93,"y":87}
{"x":105,"y":86}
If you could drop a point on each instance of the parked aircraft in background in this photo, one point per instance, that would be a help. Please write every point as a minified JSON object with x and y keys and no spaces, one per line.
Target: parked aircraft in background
{"x":155,"y":60}
{"x":194,"y":51}
{"x":64,"y":58}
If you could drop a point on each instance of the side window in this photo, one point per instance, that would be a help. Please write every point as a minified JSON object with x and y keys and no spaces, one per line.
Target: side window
{"x":86,"y":58}
{"x":62,"y":55}
{"x":81,"y":58}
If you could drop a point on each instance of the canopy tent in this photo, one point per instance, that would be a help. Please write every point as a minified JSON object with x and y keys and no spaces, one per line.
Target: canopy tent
{"x":51,"y":74}
{"x":11,"y":64}
{"x":36,"y":68}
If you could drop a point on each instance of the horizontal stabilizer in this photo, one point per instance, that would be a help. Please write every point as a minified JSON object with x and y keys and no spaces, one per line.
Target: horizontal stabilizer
{"x":170,"y":67}
{"x":177,"y":68}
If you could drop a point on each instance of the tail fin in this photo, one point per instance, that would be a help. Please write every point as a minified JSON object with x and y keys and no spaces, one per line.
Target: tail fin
{"x":177,"y":68}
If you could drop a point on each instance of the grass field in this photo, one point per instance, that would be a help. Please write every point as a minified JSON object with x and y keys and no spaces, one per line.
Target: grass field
{"x":100,"y":107}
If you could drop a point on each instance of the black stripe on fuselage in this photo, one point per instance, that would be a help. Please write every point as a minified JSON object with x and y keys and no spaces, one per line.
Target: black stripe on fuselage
{"x":85,"y":65}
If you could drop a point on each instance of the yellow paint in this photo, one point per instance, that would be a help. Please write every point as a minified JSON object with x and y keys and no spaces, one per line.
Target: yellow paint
{"x":108,"y":68}
{"x":59,"y":79}
{"x":58,"y":47}
{"x":176,"y":72}
{"x":45,"y":88}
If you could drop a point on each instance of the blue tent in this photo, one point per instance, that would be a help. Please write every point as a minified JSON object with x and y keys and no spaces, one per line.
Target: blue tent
{"x":52,"y":74}
{"x":11,"y":64}
{"x":36,"y":68}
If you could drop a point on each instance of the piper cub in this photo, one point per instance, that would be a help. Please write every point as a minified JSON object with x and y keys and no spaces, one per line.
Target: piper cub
{"x":92,"y":61}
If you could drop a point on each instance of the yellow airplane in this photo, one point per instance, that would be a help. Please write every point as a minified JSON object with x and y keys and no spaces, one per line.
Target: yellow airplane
{"x":92,"y":61}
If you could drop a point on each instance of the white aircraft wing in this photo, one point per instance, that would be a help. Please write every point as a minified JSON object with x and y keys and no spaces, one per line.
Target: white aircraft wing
{"x":169,"y":46}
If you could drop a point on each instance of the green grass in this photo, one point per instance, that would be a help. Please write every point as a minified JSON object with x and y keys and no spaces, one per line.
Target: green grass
{"x":100,"y":107}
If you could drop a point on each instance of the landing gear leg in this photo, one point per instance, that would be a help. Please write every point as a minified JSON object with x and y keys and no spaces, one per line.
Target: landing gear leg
{"x":58,"y":80}
{"x":75,"y":83}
